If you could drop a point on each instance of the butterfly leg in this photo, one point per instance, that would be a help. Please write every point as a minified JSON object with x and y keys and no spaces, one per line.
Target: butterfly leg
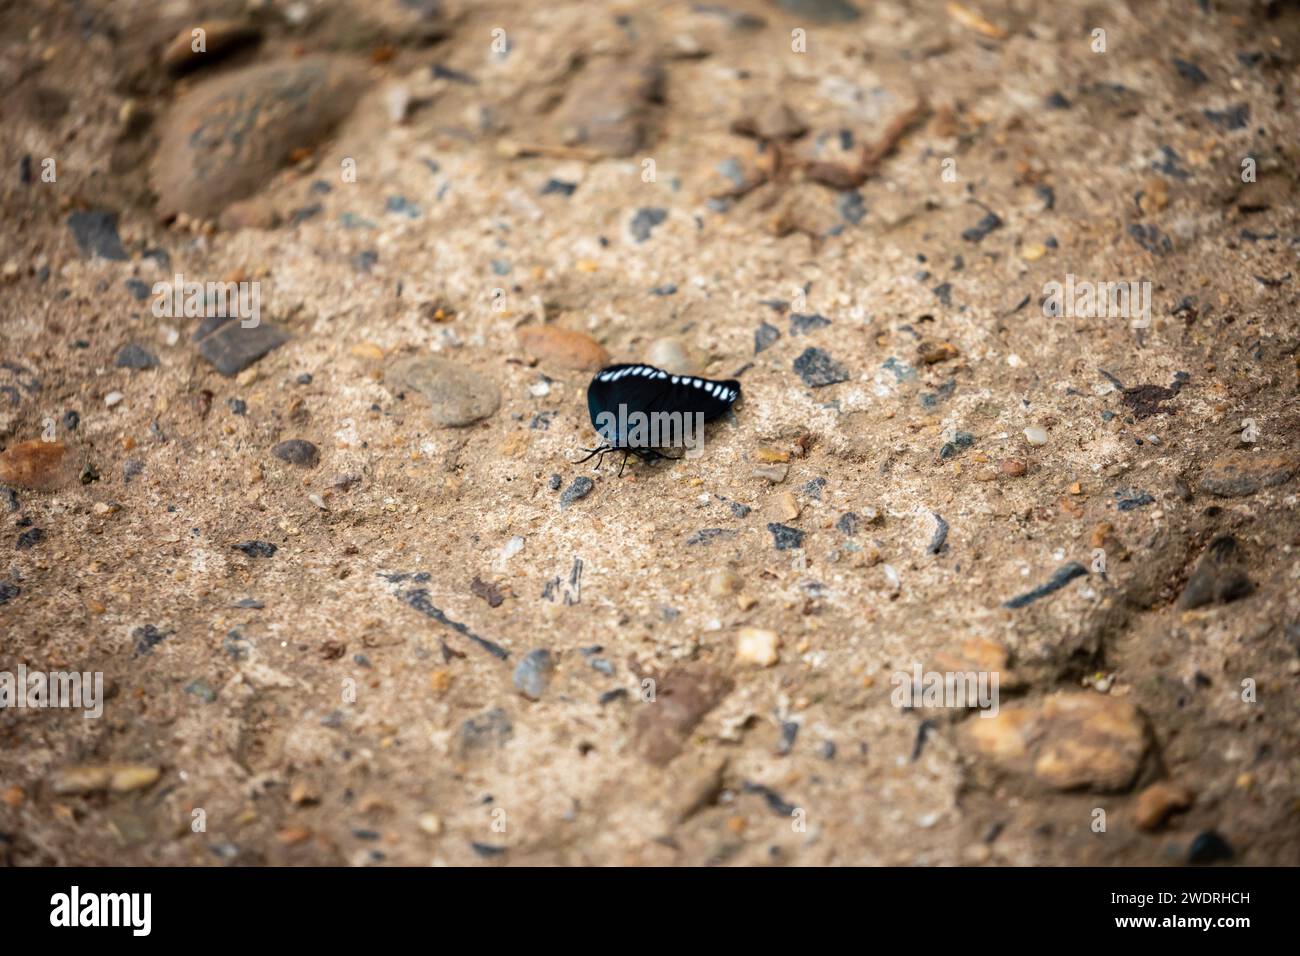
{"x":592,"y":453}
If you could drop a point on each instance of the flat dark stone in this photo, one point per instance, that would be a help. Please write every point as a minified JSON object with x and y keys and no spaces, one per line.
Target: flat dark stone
{"x":989,"y":223}
{"x":580,"y":488}
{"x":256,"y":549}
{"x":818,"y":369}
{"x":820,"y":11}
{"x":136,"y":357}
{"x":96,"y":233}
{"x":297,"y":451}
{"x":644,"y":222}
{"x":231,"y":348}
{"x":785,"y":537}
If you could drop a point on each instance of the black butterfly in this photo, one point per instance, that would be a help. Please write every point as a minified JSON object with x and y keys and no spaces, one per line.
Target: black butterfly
{"x":638,"y":409}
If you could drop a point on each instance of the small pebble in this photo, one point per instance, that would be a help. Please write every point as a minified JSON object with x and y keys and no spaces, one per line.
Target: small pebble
{"x":533,"y":673}
{"x":297,"y":451}
{"x":757,"y":646}
{"x":581,"y":487}
{"x":1036,"y":435}
{"x":784,"y":537}
{"x":135,"y":357}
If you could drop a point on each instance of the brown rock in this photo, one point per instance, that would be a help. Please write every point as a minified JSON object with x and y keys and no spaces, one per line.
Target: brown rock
{"x":764,"y":117}
{"x":1243,"y":473}
{"x":979,"y":654}
{"x":292,"y":836}
{"x":691,"y":785}
{"x":219,"y":37}
{"x":564,"y":348}
{"x":227,"y":137}
{"x":723,"y":583}
{"x":1103,"y":536}
{"x":681,"y":699}
{"x":1012,"y":467}
{"x":1069,"y":741}
{"x":36,"y":464}
{"x":91,"y":778}
{"x":932,"y":353}
{"x":457,"y":395}
{"x":1219,"y":576}
{"x":1158,"y":801}
{"x":255,"y":213}
{"x":609,"y":106}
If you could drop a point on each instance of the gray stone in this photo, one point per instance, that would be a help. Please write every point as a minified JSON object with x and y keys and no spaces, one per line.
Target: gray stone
{"x":820,"y":11}
{"x":96,"y":233}
{"x":533,"y":673}
{"x":136,"y":357}
{"x":818,"y":369}
{"x":297,"y":451}
{"x":457,"y":396}
{"x":609,"y":106}
{"x":784,"y":537}
{"x":644,"y":222}
{"x":580,"y":488}
{"x":227,"y":137}
{"x":231,"y":348}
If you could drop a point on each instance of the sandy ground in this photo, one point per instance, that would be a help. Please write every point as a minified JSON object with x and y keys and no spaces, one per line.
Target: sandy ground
{"x":353,"y":698}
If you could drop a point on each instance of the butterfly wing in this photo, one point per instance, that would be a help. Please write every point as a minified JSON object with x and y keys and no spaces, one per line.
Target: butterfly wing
{"x":644,"y":389}
{"x":616,"y":392}
{"x":688,"y":394}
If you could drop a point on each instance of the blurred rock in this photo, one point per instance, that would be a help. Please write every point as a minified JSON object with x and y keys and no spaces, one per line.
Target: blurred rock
{"x":218,"y":38}
{"x":38,"y":465}
{"x":1069,"y":741}
{"x":227,"y":137}
{"x":563,"y":348}
{"x":609,"y":107}
{"x":457,"y":396}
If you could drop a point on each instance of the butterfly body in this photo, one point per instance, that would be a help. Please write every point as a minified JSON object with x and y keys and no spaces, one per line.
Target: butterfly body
{"x":639,"y":409}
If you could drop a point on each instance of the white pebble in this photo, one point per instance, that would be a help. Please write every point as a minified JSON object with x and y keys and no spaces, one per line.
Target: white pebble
{"x":1036,"y":435}
{"x":112,"y":398}
{"x":757,"y":646}
{"x":397,"y":99}
{"x":512,"y":547}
